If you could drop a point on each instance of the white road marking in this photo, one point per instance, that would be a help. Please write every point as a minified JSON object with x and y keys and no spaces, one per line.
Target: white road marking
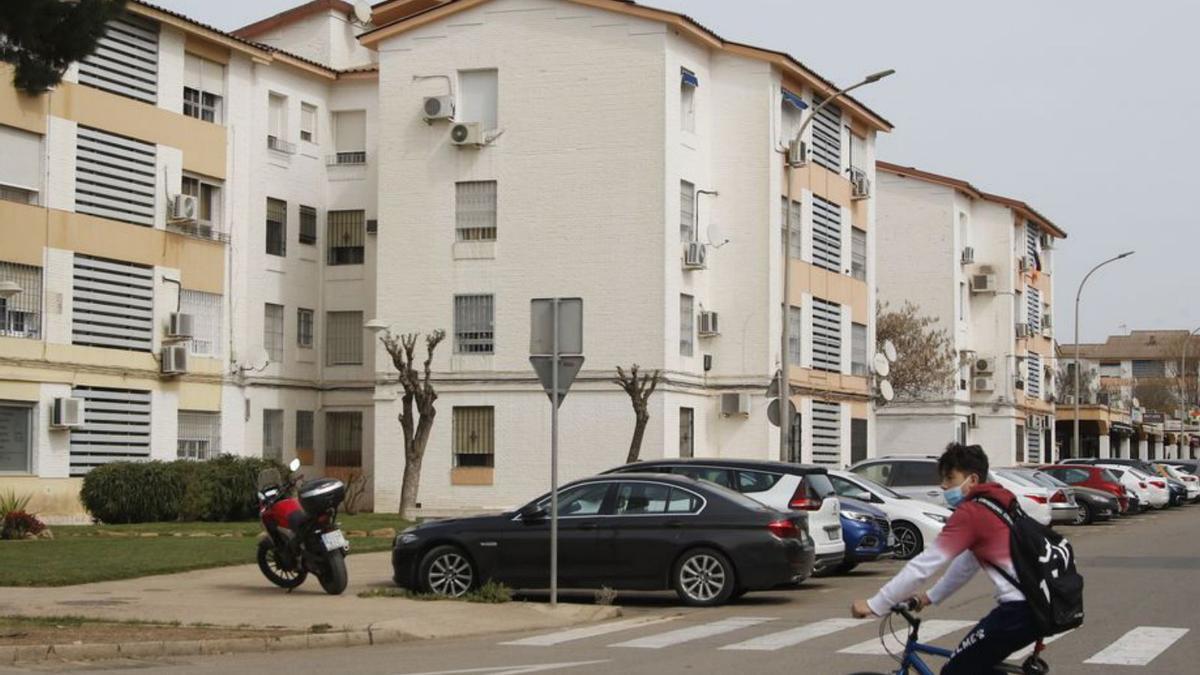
{"x":1021,"y":654}
{"x":514,"y":670}
{"x":551,"y":639}
{"x":931,"y":629}
{"x":795,"y":636}
{"x":703,"y":630}
{"x":1139,"y":646}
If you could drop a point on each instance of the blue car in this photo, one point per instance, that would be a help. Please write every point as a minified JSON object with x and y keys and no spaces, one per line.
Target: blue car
{"x":866,"y":531}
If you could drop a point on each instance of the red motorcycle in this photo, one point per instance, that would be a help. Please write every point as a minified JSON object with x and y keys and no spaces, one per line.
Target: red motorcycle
{"x":302,"y":531}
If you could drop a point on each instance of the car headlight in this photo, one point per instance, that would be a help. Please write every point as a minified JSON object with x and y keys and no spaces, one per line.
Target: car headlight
{"x":855,"y":515}
{"x":935,"y":516}
{"x":405,"y":537}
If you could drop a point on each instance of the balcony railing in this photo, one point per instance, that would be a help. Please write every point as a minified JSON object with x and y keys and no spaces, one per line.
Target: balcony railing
{"x":279,"y":145}
{"x":198,"y":230}
{"x":353,"y":158}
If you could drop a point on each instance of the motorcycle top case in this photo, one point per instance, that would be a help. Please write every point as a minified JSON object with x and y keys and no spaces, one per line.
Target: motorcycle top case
{"x":320,"y":495}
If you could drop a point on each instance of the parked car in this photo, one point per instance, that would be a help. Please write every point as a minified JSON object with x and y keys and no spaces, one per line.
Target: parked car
{"x":1177,"y":493}
{"x":866,"y":531}
{"x":1191,"y":484}
{"x":914,"y":476}
{"x":779,"y":485}
{"x":1191,"y":466}
{"x":1033,"y":498}
{"x":1063,"y":507}
{"x":630,"y":531}
{"x":1091,"y":476}
{"x":1136,"y":482}
{"x":914,"y":523}
{"x":1094,"y":505}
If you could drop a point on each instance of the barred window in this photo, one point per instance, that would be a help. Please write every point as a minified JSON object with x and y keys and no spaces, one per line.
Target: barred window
{"x":795,"y":318}
{"x":827,"y":335}
{"x":199,"y":435}
{"x":474,"y":324}
{"x":343,"y":438}
{"x":796,"y":227}
{"x":827,"y":433}
{"x":304,"y":430}
{"x":347,"y":235}
{"x":475,"y":210}
{"x":272,"y":438}
{"x":858,"y":349}
{"x":687,"y":211}
{"x":827,"y":137}
{"x":308,"y":225}
{"x":21,"y":314}
{"x":273,"y":332}
{"x":687,"y":432}
{"x":474,"y":436}
{"x":858,"y":254}
{"x":687,"y":325}
{"x":276,"y":227}
{"x":343,"y":338}
{"x":205,"y":309}
{"x":827,"y":234}
{"x":304,"y":328}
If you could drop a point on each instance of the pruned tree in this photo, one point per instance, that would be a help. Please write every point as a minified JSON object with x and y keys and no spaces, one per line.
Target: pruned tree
{"x":1064,"y":383}
{"x":416,"y":405}
{"x":927,"y":362}
{"x":639,"y":389}
{"x":41,"y":38}
{"x":1158,"y":394}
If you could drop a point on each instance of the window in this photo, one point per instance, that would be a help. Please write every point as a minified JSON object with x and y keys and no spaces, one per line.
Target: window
{"x":827,"y":234}
{"x":272,"y":437}
{"x":21,"y":314}
{"x":208,"y":208}
{"x":475,"y":210}
{"x":21,"y":170}
{"x":350,"y":136}
{"x":794,"y":220}
{"x":718,"y":476}
{"x":16,"y":439}
{"x":584,"y":500}
{"x":858,"y":349}
{"x":308,"y":225}
{"x":858,"y":254}
{"x":115,"y":176}
{"x":273,"y":332}
{"x":478,"y":92}
{"x":474,"y":322}
{"x":308,"y":122}
{"x":877,"y":473}
{"x":964,"y":298}
{"x":343,"y":338}
{"x":687,"y":325}
{"x":858,"y":439}
{"x":1033,"y":309}
{"x":199,"y":435}
{"x":1110,"y":369}
{"x":125,"y":61}
{"x":687,"y":211}
{"x":796,"y":439}
{"x":304,"y":431}
{"x":276,"y":227}
{"x":277,"y":123}
{"x":206,"y":311}
{"x":912,"y":474}
{"x":1033,"y":374}
{"x":687,"y":100}
{"x":474,"y":441}
{"x":343,"y":438}
{"x":1033,"y":245}
{"x":112,"y":304}
{"x":827,"y":137}
{"x":304,"y":328}
{"x":756,"y":481}
{"x":687,"y":432}
{"x":116,"y":427}
{"x":1149,"y":369}
{"x":1033,"y":446}
{"x":347,"y":236}
{"x":203,"y":88}
{"x":635,"y":499}
{"x":795,"y":320}
{"x":858,"y":151}
{"x":827,"y":433}
{"x":827,"y":335}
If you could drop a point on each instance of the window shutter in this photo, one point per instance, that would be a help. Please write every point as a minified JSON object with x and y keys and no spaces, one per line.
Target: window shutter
{"x":22,"y":165}
{"x":858,"y":349}
{"x":827,"y":335}
{"x":350,"y":130}
{"x":343,"y":438}
{"x":475,"y":210}
{"x":1033,"y":375}
{"x":343,"y":338}
{"x":114,"y":176}
{"x":347,"y":236}
{"x":474,"y":434}
{"x":116,"y":428}
{"x":113,"y":304}
{"x":273,"y":331}
{"x":827,"y":234}
{"x":125,"y":61}
{"x":1033,"y":307}
{"x":827,"y":138}
{"x":827,"y":433}
{"x":858,"y":254}
{"x":687,"y":211}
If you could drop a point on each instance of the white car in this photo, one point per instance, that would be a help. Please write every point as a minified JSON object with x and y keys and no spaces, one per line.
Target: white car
{"x":1033,"y":498}
{"x":914,"y":522}
{"x":1063,"y":508}
{"x":1137,"y":482}
{"x":1190,"y":482}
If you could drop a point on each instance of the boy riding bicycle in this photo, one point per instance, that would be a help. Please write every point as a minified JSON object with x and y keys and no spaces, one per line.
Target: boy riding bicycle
{"x":972,"y":537}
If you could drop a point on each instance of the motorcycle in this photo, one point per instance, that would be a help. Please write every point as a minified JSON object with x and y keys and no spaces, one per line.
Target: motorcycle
{"x":302,"y":533}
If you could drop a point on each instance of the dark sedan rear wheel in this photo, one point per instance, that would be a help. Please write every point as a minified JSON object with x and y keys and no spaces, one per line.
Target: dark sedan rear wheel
{"x":703,"y":577}
{"x":1084,"y":514}
{"x":447,"y":571}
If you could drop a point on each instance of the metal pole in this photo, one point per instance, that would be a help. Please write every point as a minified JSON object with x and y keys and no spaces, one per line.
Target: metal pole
{"x":554,"y":467}
{"x":1078,"y":372}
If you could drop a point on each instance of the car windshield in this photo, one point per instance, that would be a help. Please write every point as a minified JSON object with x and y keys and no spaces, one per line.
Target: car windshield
{"x":1016,"y":478}
{"x":879,"y":489}
{"x":1046,"y":479}
{"x":1108,"y":476}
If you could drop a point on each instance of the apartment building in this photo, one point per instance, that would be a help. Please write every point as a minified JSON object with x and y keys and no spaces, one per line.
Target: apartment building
{"x":983,"y":266}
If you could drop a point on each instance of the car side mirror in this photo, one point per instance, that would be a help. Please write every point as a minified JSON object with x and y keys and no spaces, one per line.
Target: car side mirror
{"x":532,"y":513}
{"x":294,"y":465}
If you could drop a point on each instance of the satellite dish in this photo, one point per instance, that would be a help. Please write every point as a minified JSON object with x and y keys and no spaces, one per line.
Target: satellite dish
{"x":716,"y":235}
{"x":886,"y":391}
{"x":259,"y":359}
{"x":882,"y":365}
{"x":362,"y":11}
{"x":889,"y":350}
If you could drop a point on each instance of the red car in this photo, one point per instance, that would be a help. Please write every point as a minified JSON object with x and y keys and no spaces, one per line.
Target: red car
{"x":1090,"y":476}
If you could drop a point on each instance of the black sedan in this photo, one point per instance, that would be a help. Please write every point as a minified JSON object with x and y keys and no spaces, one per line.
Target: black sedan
{"x":1094,"y":505}
{"x":630,"y":531}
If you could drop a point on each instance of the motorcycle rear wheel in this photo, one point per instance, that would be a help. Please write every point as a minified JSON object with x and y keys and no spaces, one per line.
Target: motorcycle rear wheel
{"x":334,"y":579}
{"x":273,"y":569}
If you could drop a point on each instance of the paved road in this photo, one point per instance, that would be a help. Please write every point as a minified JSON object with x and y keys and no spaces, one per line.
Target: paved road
{"x":1143,"y":585}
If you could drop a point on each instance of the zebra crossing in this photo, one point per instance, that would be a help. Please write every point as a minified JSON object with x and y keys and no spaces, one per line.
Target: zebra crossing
{"x":1138,"y":646}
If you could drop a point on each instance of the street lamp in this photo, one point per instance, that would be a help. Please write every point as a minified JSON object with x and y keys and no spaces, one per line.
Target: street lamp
{"x":1078,"y":293}
{"x":785,"y":383}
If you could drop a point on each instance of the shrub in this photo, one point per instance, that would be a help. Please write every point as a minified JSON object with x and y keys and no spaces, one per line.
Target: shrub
{"x":17,"y":524}
{"x":10,"y":501}
{"x":223,"y":488}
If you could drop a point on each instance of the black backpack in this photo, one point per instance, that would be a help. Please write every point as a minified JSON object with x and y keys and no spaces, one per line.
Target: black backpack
{"x":1045,"y":565}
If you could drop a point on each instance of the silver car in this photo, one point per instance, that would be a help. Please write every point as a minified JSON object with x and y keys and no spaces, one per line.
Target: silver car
{"x":914,"y":476}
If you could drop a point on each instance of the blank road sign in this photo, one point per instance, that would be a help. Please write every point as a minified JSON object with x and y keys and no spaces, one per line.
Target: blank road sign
{"x":570,"y":326}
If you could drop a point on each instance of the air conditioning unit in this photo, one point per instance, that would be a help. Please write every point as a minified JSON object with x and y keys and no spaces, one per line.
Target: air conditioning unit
{"x":1020,"y":384}
{"x":181,"y":326}
{"x":708,"y":324}
{"x":467,"y":133}
{"x":983,"y":283}
{"x":185,"y":207}
{"x":984,"y":366}
{"x":797,"y":153}
{"x":735,"y":404}
{"x":1047,"y":240}
{"x":1023,"y":263}
{"x":1033,"y":422}
{"x":174,"y":360}
{"x":968,"y":255}
{"x":695,"y":256}
{"x":972,"y":421}
{"x":438,"y":108}
{"x":372,"y":226}
{"x":1022,"y":330}
{"x":66,"y":413}
{"x":984,"y":384}
{"x":860,"y":185}
{"x":1047,"y":321}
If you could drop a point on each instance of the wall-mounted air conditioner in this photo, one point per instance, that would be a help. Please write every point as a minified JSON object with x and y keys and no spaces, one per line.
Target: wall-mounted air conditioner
{"x":372,"y":226}
{"x":66,"y":413}
{"x":984,"y":366}
{"x":709,"y":326}
{"x":983,"y":283}
{"x":1047,"y":240}
{"x":985,"y":384}
{"x":695,"y":256}
{"x":735,"y":404}
{"x":438,"y":108}
{"x":185,"y":207}
{"x":174,"y":360}
{"x":1022,"y":330}
{"x":181,"y":326}
{"x":860,"y":185}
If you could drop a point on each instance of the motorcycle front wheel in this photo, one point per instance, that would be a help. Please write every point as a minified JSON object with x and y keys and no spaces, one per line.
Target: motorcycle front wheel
{"x":334,"y":578}
{"x":272,"y":567}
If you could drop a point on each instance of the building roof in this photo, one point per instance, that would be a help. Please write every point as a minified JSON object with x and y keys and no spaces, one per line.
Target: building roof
{"x":392,"y":17}
{"x":1145,"y":345}
{"x":971,"y":191}
{"x":293,"y":15}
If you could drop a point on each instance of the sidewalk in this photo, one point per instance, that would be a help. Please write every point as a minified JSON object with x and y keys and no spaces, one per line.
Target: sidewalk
{"x":241,"y":596}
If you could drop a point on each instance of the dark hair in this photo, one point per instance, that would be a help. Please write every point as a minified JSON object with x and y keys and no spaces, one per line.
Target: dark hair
{"x":969,"y":459}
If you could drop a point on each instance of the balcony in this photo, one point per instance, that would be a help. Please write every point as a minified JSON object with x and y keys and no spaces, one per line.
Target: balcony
{"x":279,"y":145}
{"x":197,"y":230}
{"x":354,"y":158}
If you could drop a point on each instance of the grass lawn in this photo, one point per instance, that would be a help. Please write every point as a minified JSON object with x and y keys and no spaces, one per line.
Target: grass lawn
{"x":40,"y":630}
{"x":81,"y":554}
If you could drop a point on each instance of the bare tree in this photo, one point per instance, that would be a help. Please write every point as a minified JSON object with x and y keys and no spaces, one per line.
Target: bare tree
{"x":416,"y":406}
{"x":639,"y":390}
{"x":927,"y":362}
{"x":1158,"y":394}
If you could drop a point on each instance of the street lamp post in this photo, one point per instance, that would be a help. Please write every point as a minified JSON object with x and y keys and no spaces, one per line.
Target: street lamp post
{"x":1075,"y":445}
{"x":785,"y":383}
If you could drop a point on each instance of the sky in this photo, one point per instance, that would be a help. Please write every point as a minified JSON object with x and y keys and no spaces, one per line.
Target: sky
{"x":1082,"y":108}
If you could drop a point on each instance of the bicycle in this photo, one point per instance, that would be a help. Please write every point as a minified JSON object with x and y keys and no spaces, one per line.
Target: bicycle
{"x":911,"y":661}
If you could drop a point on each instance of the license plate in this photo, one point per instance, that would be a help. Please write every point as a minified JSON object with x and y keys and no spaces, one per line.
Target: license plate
{"x":333,"y":540}
{"x":834,"y":533}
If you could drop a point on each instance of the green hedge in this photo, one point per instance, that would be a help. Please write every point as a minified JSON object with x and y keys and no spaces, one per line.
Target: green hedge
{"x":219,"y":489}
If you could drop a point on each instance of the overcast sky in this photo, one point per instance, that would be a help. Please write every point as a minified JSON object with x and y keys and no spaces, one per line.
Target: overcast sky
{"x":1082,"y":108}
